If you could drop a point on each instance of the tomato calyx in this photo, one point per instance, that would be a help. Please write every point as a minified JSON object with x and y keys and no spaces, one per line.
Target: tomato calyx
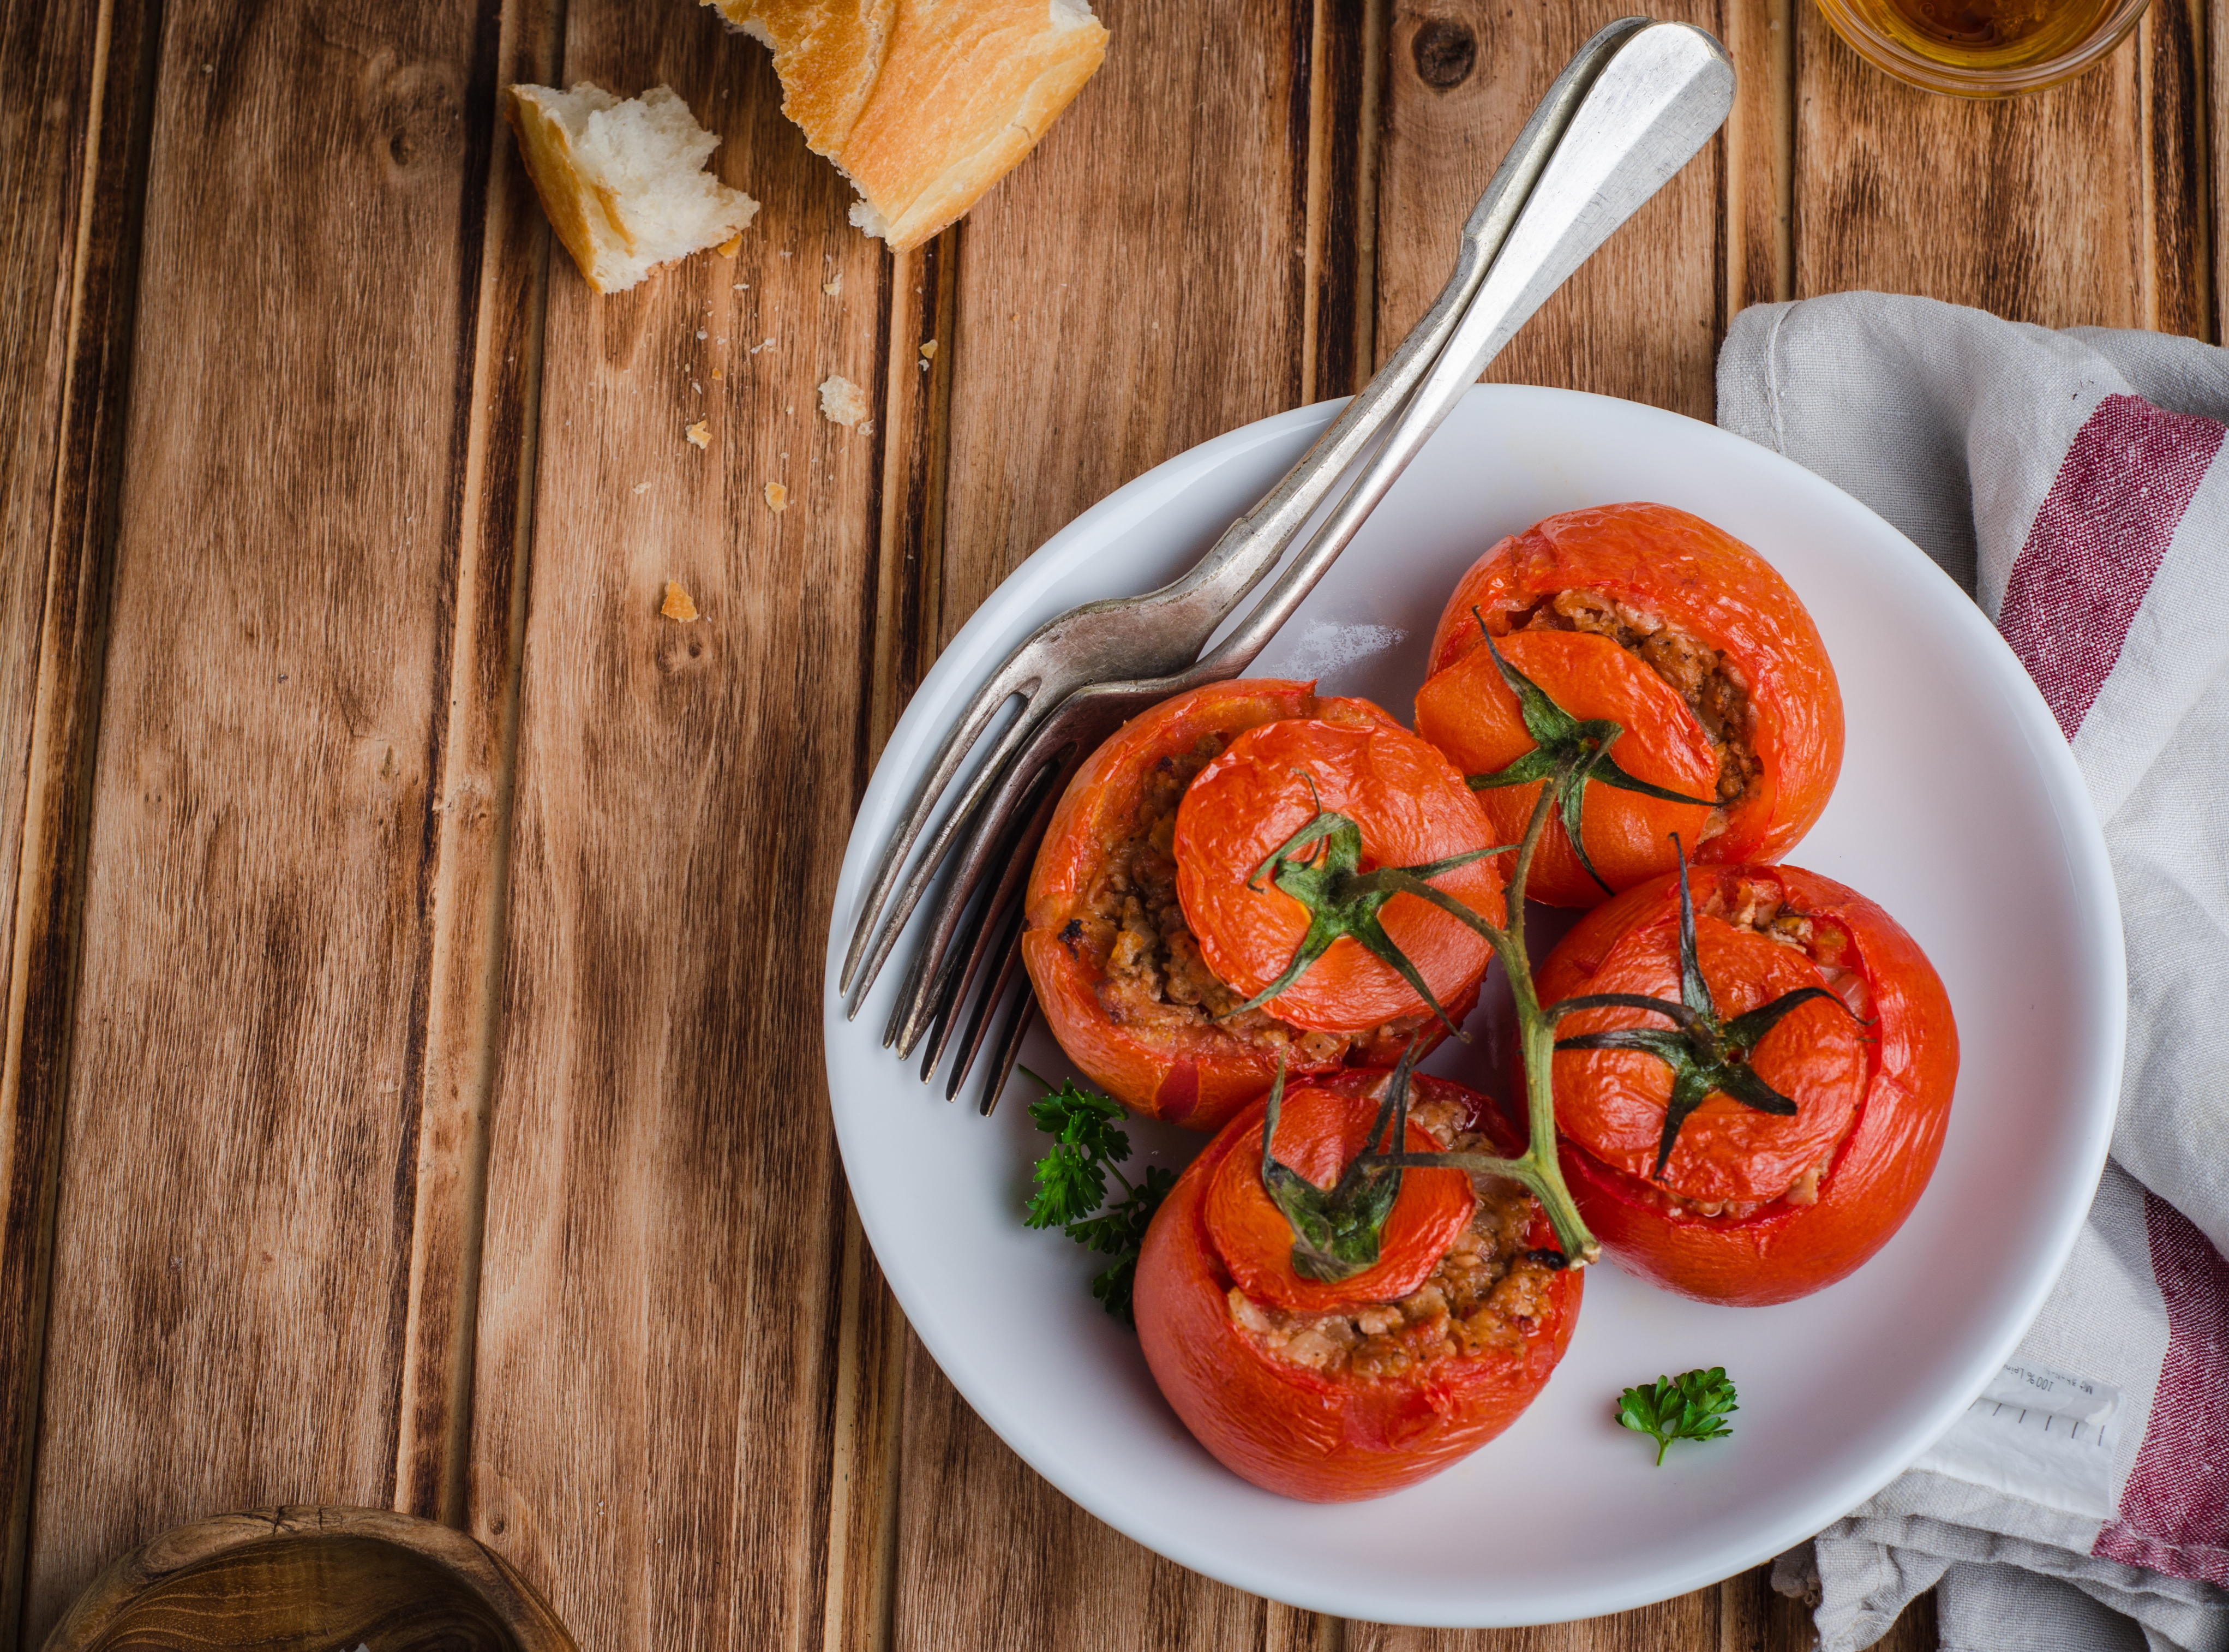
{"x":1567,"y":753}
{"x":1708,"y":1055}
{"x":1320,"y":867}
{"x":1338,"y":1231}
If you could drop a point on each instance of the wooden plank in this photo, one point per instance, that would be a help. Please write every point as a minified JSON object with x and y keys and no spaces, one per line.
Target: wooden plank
{"x":235,"y":1201}
{"x":2171,"y":47}
{"x":1690,"y":1621}
{"x":1759,"y":154}
{"x":2034,"y":208}
{"x":670,"y":1398}
{"x":72,"y":157}
{"x":1638,"y":320}
{"x":505,"y":256}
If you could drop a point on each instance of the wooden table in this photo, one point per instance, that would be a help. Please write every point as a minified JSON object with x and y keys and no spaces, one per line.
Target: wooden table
{"x":410,"y":1092}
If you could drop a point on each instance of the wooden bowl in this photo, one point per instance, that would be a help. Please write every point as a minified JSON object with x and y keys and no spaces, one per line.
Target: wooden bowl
{"x":303,"y":1580}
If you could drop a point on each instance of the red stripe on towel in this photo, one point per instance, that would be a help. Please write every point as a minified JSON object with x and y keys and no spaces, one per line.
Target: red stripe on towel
{"x":2174,"y":1512}
{"x":2106,"y":523}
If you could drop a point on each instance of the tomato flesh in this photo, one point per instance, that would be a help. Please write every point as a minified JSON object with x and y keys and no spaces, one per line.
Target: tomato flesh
{"x":1330,"y":1435}
{"x":1721,"y":1230}
{"x":1716,"y":594}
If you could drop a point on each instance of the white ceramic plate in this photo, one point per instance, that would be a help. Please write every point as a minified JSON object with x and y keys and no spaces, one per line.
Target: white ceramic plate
{"x":1959,"y":809}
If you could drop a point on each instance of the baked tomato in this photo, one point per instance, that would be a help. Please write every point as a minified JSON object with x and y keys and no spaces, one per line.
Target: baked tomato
{"x":1334,"y":1390}
{"x":1764,"y":1131}
{"x":1660,"y":663}
{"x":1154,"y":926}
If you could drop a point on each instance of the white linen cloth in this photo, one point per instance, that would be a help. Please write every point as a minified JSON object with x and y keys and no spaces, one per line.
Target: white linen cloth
{"x":2073,"y":482}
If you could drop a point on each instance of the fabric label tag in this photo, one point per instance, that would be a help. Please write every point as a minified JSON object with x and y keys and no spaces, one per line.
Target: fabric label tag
{"x":2036,"y":1433}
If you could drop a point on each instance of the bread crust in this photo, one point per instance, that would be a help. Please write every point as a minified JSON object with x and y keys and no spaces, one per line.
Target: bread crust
{"x":924,"y":104}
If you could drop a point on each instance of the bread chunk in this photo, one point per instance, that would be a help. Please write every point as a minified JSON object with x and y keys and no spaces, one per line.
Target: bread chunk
{"x":624,"y":182}
{"x":923,"y":104}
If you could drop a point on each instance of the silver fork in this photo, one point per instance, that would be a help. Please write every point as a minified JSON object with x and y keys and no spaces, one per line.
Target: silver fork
{"x":1165,"y":630}
{"x":1631,"y":110}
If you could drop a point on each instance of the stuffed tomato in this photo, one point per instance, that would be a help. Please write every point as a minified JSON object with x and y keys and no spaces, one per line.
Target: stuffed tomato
{"x":1661,"y":656}
{"x":1171,"y":954}
{"x":1335,"y":1392}
{"x":1768,"y":1130}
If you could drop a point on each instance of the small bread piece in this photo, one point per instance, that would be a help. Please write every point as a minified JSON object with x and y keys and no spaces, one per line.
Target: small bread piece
{"x":923,"y":104}
{"x":624,"y":183}
{"x":842,"y":401}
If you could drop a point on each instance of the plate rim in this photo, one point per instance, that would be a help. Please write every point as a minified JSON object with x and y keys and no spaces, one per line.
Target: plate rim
{"x":2096,"y":907}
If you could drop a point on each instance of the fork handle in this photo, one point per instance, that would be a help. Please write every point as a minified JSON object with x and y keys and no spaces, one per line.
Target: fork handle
{"x":1252,"y":546}
{"x":1666,"y":88}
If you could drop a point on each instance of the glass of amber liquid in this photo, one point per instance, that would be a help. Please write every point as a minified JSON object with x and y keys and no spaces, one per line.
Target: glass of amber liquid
{"x":1983,"y":49}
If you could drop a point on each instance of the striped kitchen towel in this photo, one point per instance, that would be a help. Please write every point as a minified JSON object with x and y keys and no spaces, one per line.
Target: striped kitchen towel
{"x":2074,"y":483}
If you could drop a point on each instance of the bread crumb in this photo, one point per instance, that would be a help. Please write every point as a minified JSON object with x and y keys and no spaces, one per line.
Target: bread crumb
{"x":730,"y":247}
{"x":777,"y":496}
{"x":641,"y":488}
{"x":677,"y":605}
{"x":700,"y":434}
{"x":717,"y":374}
{"x":928,"y":350}
{"x":834,"y":284}
{"x":842,"y":401}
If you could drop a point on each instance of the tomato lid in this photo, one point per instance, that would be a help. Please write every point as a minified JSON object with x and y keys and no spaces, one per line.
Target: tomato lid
{"x":1411,"y":809}
{"x":1320,"y":1132}
{"x":1471,"y":714}
{"x":1613,"y":1102}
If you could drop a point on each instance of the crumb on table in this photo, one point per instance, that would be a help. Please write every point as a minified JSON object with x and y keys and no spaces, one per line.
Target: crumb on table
{"x":777,"y":496}
{"x":842,"y":401}
{"x":677,"y":605}
{"x":700,"y":434}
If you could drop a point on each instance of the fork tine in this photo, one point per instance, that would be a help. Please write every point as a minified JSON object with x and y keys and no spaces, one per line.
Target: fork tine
{"x":1017,"y":677}
{"x":990,"y":922}
{"x":979,"y":1020}
{"x":997,"y":827}
{"x":1009,"y":1048}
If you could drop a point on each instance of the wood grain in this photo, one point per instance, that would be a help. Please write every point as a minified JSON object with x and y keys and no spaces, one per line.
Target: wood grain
{"x":307,"y":1580}
{"x":656,"y":1436}
{"x":1759,"y":170}
{"x":1093,"y":343}
{"x":241,"y":1110}
{"x":503,"y":259}
{"x":1640,"y":317}
{"x":2034,"y":208}
{"x":1690,"y":1621}
{"x":73,"y":123}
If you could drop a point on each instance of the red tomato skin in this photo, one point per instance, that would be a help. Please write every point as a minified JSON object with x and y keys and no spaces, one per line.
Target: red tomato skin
{"x":1293,"y":1431}
{"x":1193,"y":1076}
{"x":1662,"y":559}
{"x":1412,"y":808}
{"x":1469,"y":713}
{"x":1784,"y":1251}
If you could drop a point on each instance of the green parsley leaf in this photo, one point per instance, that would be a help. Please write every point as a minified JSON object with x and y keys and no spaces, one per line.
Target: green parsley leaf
{"x":1071,"y":1186}
{"x":1071,"y":1178}
{"x":1691,"y":1406}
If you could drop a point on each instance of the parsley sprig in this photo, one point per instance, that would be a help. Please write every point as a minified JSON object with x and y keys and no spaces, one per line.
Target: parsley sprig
{"x":1071,"y":1186}
{"x":1692,"y":1405}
